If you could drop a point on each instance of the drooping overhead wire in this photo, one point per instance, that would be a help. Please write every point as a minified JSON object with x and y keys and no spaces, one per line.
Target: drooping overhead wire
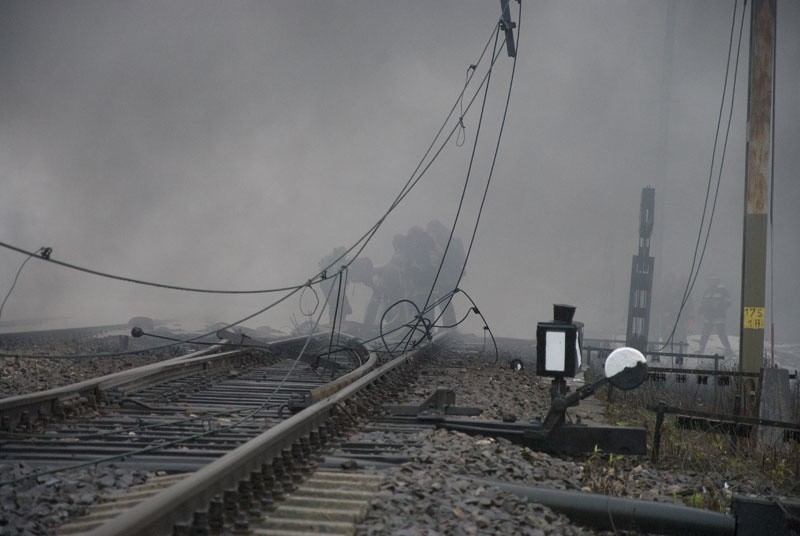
{"x":147,"y":283}
{"x":704,"y":230}
{"x":429,"y":157}
{"x":43,"y":252}
{"x":497,"y":147}
{"x":420,"y":170}
{"x":490,"y":174}
{"x":466,"y":181}
{"x":408,"y":186}
{"x":420,"y":318}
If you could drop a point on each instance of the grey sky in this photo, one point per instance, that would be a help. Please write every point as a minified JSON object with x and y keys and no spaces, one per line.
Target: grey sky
{"x":233,"y":144}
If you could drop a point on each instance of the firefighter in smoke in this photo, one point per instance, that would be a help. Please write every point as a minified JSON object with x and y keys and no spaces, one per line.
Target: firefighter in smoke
{"x":388,"y":284}
{"x":713,"y":308}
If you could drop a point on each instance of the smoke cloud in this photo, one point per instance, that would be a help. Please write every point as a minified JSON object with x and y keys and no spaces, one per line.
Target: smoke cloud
{"x":233,"y":145}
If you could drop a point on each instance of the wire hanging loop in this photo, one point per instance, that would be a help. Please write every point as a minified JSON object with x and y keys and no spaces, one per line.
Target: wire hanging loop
{"x":461,"y":137}
{"x":316,"y":297}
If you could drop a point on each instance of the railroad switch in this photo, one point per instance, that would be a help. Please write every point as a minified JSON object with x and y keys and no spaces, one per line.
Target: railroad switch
{"x":625,"y":370}
{"x":436,"y":406}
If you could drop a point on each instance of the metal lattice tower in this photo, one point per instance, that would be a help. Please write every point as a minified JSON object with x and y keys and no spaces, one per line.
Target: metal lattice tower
{"x":641,"y":278}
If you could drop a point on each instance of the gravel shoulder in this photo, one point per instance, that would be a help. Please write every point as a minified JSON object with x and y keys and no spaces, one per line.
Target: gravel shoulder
{"x":444,"y":463}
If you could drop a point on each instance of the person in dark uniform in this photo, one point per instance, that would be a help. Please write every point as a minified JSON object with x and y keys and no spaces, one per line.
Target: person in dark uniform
{"x":713,"y":309}
{"x":388,"y":286}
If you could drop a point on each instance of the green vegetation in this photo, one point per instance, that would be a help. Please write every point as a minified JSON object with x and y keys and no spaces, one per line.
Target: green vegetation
{"x":718,"y":463}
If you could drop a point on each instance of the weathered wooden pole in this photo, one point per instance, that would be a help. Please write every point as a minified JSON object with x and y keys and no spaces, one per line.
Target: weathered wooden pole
{"x":758,"y":173}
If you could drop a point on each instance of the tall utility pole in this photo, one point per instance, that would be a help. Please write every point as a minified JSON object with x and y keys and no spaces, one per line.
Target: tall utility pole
{"x":759,"y":171}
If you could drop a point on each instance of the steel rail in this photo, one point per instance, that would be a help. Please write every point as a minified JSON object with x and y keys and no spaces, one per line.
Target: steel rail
{"x":177,"y":504}
{"x":47,"y":402}
{"x":52,"y":401}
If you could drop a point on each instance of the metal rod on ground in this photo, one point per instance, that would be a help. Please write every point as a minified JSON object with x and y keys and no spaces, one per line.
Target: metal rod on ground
{"x":614,"y":513}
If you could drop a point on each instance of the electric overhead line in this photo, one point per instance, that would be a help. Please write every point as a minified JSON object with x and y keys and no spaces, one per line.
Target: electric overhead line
{"x":697,"y":261}
{"x":417,"y":175}
{"x":420,"y":170}
{"x":142,"y":282}
{"x":409,"y":185}
{"x":427,"y":307}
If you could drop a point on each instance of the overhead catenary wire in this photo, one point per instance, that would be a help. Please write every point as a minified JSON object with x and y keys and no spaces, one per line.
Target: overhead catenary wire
{"x":291,"y":291}
{"x":44,"y":252}
{"x":420,"y":317}
{"x":427,"y":307}
{"x":466,"y":178}
{"x":489,"y":177}
{"x":496,"y":150}
{"x":142,"y":282}
{"x":699,"y":253}
{"x":419,"y":172}
{"x":422,"y":167}
{"x":415,"y":177}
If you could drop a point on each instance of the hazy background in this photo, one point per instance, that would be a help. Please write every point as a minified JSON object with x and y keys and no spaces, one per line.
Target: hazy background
{"x":234,"y":144}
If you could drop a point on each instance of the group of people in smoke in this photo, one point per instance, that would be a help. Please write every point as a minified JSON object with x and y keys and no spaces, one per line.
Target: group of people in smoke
{"x":408,"y":275}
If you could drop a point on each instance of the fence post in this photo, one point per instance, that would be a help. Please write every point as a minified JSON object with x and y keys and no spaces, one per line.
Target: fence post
{"x":657,"y":434}
{"x":775,"y":404}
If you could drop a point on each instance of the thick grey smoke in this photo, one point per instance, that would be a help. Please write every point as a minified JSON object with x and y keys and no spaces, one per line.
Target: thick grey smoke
{"x":233,"y":145}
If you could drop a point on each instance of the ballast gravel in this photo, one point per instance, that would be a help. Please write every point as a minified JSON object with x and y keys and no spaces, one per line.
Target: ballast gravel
{"x":435,"y":492}
{"x":38,"y":505}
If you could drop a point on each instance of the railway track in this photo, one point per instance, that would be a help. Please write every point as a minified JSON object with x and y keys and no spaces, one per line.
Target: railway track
{"x":218,"y":415}
{"x":301,"y":474}
{"x":338,"y":452}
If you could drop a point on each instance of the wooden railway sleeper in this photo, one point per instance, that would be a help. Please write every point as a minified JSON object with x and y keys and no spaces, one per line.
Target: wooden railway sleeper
{"x":241,"y":525}
{"x":309,"y":463}
{"x":305,"y":445}
{"x":301,"y":461}
{"x":200,"y":525}
{"x":272,"y":489}
{"x":259,"y":492}
{"x":216,"y":515}
{"x":230,"y":505}
{"x":245,"y":496}
{"x":42,"y":417}
{"x":282,"y":475}
{"x":24,"y":423}
{"x":292,"y":466}
{"x":324,"y":435}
